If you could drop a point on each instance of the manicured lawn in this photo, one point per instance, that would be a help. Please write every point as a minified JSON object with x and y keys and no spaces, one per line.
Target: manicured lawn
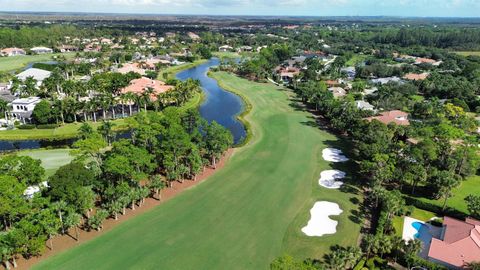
{"x":246,"y":214}
{"x":51,"y":159}
{"x":17,"y":62}
{"x":63,"y":132}
{"x":417,"y":213}
{"x":226,"y":54}
{"x":467,"y":53}
{"x":356,"y":59}
{"x":467,"y":187}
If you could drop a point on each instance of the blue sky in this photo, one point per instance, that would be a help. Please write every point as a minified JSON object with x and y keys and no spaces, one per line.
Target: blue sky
{"x":417,"y":8}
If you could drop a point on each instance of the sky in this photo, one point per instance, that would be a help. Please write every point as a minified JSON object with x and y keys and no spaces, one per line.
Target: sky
{"x":410,"y":8}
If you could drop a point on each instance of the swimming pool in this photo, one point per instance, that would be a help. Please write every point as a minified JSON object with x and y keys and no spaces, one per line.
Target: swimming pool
{"x":423,"y":232}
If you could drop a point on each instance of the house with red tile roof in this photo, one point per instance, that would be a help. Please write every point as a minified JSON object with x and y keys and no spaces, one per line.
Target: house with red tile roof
{"x":459,"y":243}
{"x":12,"y":52}
{"x":396,"y":116}
{"x":139,"y":86}
{"x":415,"y":76}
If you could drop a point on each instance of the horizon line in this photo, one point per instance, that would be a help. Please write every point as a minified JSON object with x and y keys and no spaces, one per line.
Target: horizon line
{"x":86,"y":13}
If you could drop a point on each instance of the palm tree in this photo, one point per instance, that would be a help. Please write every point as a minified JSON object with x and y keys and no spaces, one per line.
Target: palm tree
{"x":92,"y":104}
{"x":106,"y":129}
{"x":60,"y":207}
{"x":157,"y":184}
{"x":73,"y":220}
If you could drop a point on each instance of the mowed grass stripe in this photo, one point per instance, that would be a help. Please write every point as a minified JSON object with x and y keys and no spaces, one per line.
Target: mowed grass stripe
{"x":239,"y":218}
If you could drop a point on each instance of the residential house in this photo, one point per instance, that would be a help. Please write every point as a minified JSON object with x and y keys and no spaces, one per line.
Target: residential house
{"x":245,"y":49}
{"x":364,"y":105}
{"x":396,"y":116}
{"x":131,"y":67}
{"x":41,"y":50}
{"x":139,"y":86}
{"x":421,"y":60}
{"x":337,"y":92}
{"x":12,"y":52}
{"x":459,"y":243}
{"x":416,"y":77}
{"x":22,"y":108}
{"x":287,"y":73}
{"x":106,"y":41}
{"x":38,"y":74}
{"x":386,"y":80}
{"x":67,"y":48}
{"x":193,"y":36}
{"x":225,"y":48}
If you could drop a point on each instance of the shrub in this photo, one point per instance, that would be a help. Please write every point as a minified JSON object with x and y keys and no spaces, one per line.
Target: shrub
{"x":26,"y":126}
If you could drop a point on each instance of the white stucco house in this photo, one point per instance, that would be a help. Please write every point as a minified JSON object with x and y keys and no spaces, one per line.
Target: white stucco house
{"x":22,"y":108}
{"x":38,"y":74}
{"x":41,"y":50}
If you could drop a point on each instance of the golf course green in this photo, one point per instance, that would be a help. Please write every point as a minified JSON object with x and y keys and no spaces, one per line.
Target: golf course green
{"x":246,"y":214}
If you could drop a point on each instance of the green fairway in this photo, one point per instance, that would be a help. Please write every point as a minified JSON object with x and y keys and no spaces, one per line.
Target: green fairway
{"x":17,"y":62}
{"x":468,"y":53}
{"x":51,"y":159}
{"x":246,"y":214}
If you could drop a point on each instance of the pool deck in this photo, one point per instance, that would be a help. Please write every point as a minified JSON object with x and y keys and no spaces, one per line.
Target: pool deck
{"x":409,"y":233}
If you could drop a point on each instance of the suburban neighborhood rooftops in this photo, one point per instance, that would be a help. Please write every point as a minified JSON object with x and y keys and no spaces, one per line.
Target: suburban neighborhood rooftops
{"x":26,"y":101}
{"x":460,"y":244}
{"x":396,"y":116}
{"x":37,"y":74}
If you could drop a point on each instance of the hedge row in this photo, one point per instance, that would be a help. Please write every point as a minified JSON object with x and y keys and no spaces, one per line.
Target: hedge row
{"x":46,"y":126}
{"x":451,"y":212}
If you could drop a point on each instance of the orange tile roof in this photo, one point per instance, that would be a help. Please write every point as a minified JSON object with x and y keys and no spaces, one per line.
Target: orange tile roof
{"x":416,"y":77}
{"x":461,"y":242}
{"x":138,"y":87}
{"x":396,"y":116}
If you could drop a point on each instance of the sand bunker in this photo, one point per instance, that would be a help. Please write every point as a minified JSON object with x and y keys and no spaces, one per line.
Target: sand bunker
{"x":320,"y":223}
{"x":328,"y":179}
{"x":333,"y":155}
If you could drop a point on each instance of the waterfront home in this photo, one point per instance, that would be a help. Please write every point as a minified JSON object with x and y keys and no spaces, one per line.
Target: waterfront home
{"x":459,"y":243}
{"x":38,"y":74}
{"x":141,"y":85}
{"x":41,"y":50}
{"x":395,"y":116}
{"x":225,"y":48}
{"x":22,"y":108}
{"x":12,"y":52}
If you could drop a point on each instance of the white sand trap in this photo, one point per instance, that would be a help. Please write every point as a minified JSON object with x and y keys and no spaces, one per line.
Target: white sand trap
{"x":333,"y":155}
{"x":328,"y":179}
{"x":320,"y":223}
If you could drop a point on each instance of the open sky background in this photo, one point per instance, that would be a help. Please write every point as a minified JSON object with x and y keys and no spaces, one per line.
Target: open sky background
{"x":416,"y":8}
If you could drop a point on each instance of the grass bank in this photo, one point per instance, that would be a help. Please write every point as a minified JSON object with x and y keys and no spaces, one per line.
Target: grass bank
{"x":173,"y":70}
{"x":66,"y":131}
{"x":246,"y":214}
{"x":17,"y":62}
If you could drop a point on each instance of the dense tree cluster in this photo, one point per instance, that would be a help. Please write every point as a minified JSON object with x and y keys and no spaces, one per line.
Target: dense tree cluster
{"x":103,"y":181}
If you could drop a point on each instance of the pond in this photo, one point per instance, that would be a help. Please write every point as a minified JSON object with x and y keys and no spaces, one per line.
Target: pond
{"x":219,"y":105}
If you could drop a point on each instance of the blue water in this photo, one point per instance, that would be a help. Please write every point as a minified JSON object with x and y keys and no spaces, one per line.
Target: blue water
{"x":220,"y":105}
{"x":423,"y":232}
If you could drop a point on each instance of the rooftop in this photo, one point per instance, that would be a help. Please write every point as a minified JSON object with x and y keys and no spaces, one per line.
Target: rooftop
{"x":460,"y":244}
{"x":396,"y":116}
